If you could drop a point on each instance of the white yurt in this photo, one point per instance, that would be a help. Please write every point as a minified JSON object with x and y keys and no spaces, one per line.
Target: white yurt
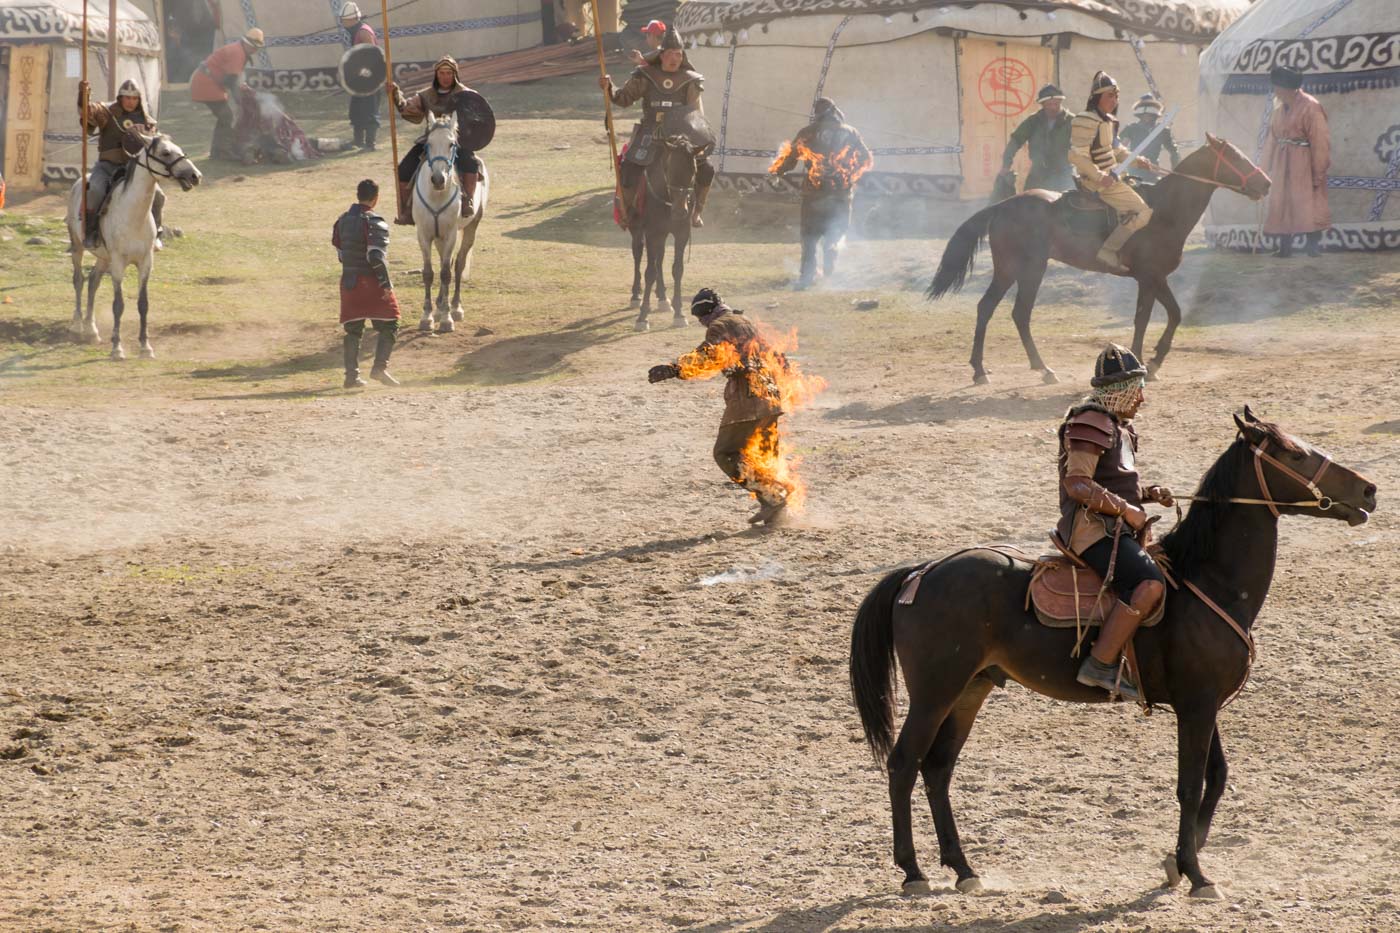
{"x":935,"y":87}
{"x":1349,"y":53}
{"x":305,"y":41}
{"x":40,"y":66}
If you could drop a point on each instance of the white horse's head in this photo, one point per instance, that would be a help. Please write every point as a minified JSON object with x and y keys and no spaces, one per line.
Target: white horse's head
{"x":441,"y":150}
{"x":162,"y":158}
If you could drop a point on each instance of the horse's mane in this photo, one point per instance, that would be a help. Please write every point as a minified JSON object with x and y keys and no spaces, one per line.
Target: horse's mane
{"x":1193,"y":542}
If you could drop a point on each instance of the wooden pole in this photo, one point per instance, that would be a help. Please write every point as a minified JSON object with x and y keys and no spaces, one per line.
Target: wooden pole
{"x":112,"y":49}
{"x":82,"y":169}
{"x":393,"y":108}
{"x":607,"y":104}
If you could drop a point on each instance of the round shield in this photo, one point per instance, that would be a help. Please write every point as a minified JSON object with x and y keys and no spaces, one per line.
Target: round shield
{"x":476,"y":123}
{"x":362,"y":70}
{"x":689,"y":124}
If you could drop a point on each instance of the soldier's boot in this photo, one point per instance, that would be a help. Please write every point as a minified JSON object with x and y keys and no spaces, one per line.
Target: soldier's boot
{"x":370,"y":133}
{"x":379,"y":372}
{"x":359,"y":137}
{"x":468,"y":180}
{"x":91,"y":231}
{"x":1285,"y":247}
{"x":702,"y":194}
{"x":405,"y":215}
{"x":352,"y":362}
{"x":1314,"y":245}
{"x":1101,"y":667}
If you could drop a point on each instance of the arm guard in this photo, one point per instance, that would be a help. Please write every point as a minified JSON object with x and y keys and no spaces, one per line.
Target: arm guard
{"x":377,"y":248}
{"x":381,"y":271}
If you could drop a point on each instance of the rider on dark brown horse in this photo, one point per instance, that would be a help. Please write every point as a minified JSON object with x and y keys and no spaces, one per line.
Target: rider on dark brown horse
{"x":1094,"y":150}
{"x":663,"y":87}
{"x":1099,"y":495}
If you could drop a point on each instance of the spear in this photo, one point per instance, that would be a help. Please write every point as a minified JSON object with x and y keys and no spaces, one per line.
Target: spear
{"x":82,"y":169}
{"x":607,"y":104}
{"x":393,"y":108}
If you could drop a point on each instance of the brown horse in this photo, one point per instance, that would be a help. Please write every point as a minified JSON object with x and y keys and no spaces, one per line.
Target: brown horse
{"x":967,"y":630}
{"x":1027,"y":231}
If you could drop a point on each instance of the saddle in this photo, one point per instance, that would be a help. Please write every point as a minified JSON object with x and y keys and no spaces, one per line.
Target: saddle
{"x":1067,"y":593}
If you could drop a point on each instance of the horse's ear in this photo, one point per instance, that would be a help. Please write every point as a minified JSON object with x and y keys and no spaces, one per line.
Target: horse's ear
{"x":1249,"y":415}
{"x":1214,"y":141}
{"x":1249,"y":426}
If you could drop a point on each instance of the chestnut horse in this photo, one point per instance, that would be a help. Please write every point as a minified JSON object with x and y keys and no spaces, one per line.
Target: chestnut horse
{"x":1027,"y":231}
{"x":967,"y":629}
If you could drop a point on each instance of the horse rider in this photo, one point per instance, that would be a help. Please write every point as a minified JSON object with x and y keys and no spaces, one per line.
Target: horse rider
{"x":1100,"y":494}
{"x":1094,"y":149}
{"x":361,"y":237}
{"x":752,"y":404}
{"x":438,"y":99}
{"x":668,"y":83}
{"x":217,"y":75}
{"x":836,"y":157}
{"x":364,"y":111}
{"x":1148,"y":111}
{"x":1045,"y":134}
{"x":110,"y":123}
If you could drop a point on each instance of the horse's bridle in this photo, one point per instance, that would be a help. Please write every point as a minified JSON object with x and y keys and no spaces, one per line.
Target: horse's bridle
{"x":150,"y":153}
{"x":1215,"y":170}
{"x":1322,"y":503}
{"x":451,"y":158}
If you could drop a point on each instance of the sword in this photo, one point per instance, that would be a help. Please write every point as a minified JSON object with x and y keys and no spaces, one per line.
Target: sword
{"x":1142,"y":146}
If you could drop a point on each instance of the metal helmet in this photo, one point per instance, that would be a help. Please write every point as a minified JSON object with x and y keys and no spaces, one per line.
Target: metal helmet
{"x":672,"y":40}
{"x":1147,"y":105}
{"x":1116,"y":364}
{"x":1049,"y":92}
{"x":255,"y":37}
{"x":1103,"y":81}
{"x":129,"y":89}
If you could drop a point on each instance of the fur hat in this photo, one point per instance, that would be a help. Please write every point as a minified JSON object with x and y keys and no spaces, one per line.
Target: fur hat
{"x":1285,"y":77}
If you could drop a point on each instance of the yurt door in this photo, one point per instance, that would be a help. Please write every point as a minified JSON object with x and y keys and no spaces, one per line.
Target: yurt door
{"x":998,"y":81}
{"x":26,"y":111}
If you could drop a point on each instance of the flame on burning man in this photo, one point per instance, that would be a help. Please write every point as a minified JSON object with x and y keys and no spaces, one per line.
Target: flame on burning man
{"x":771,"y":374}
{"x":839,"y":171}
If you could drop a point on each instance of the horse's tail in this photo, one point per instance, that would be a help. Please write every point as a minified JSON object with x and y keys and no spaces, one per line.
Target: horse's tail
{"x":872,"y":663}
{"x":958,"y":256}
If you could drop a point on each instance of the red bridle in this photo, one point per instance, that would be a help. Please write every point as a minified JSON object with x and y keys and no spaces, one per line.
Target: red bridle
{"x":1215,"y":179}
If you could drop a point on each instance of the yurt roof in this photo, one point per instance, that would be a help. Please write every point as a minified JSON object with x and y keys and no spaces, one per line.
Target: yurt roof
{"x":29,"y":21}
{"x":1181,"y":20}
{"x":1339,"y":45}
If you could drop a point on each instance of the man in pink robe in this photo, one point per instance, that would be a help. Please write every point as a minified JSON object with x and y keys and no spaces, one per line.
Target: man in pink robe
{"x":1296,"y":157}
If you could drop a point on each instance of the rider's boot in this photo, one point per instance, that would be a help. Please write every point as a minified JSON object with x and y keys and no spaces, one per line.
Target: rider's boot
{"x":405,"y":216}
{"x":1128,"y":224}
{"x":352,"y":362}
{"x":701,"y":195}
{"x":468,"y":180}
{"x":379,"y":372}
{"x":1100,"y":668}
{"x":92,"y":232}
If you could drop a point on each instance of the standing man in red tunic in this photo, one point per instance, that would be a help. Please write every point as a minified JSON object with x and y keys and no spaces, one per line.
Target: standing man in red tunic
{"x":212,"y":81}
{"x":362,"y":238}
{"x":364,"y":111}
{"x":1297,"y":155}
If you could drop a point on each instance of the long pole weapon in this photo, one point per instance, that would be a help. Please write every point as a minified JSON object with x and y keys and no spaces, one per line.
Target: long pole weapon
{"x":112,"y":51}
{"x":82,"y":169}
{"x":393,"y":108}
{"x":607,"y":104}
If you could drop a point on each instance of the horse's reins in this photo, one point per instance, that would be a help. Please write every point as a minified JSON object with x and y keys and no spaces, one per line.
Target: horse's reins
{"x":1213,"y":180}
{"x":1322,"y":503}
{"x":451,"y":161}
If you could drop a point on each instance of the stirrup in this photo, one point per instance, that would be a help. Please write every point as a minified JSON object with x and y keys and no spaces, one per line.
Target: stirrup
{"x":1092,"y":673}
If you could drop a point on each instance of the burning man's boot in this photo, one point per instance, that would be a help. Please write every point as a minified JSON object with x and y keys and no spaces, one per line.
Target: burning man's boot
{"x":1101,"y":667}
{"x":352,"y":362}
{"x":405,"y":217}
{"x":380,"y":371}
{"x":829,"y":256}
{"x":809,"y":264}
{"x":468,"y":180}
{"x":92,"y":233}
{"x":771,"y":506}
{"x":1314,"y":245}
{"x":702,"y":194}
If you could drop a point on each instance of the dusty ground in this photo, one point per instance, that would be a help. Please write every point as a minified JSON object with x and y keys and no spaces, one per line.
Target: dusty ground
{"x":275,"y":656}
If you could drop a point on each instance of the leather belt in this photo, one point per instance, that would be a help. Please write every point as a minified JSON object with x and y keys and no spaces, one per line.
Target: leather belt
{"x":1300,"y":143}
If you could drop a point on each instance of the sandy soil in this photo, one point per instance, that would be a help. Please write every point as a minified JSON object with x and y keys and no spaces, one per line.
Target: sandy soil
{"x":448,"y":659}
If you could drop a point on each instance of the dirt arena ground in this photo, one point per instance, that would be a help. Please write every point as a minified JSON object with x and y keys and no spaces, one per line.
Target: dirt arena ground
{"x":497,"y":651}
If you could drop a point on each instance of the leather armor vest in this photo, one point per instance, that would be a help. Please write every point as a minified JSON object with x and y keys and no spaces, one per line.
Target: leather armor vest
{"x":109,"y":138}
{"x":666,"y":92}
{"x":358,"y":232}
{"x":1116,"y":470}
{"x":1101,"y":149}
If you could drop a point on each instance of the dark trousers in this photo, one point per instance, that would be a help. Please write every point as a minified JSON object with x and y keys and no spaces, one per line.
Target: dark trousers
{"x":1132,"y":567}
{"x":729,"y":450}
{"x":364,"y":112}
{"x":467,"y":163}
{"x":825,"y":220}
{"x":222,"y":146}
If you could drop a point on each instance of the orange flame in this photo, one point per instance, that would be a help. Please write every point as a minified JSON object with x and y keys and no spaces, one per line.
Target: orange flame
{"x":839,"y":170}
{"x":770,"y":375}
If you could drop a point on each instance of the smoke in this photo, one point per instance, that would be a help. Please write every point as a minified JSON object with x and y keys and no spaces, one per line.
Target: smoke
{"x":771,"y":570}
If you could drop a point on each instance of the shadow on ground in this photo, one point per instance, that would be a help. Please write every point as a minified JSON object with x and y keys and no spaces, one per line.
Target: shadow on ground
{"x":928,"y":409}
{"x":514,"y":360}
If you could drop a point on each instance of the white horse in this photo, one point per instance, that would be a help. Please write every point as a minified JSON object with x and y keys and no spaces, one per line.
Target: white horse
{"x":437,"y":215}
{"x":128,"y":232}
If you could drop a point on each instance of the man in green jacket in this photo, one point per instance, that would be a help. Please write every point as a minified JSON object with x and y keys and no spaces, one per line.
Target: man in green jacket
{"x":1046,"y":132}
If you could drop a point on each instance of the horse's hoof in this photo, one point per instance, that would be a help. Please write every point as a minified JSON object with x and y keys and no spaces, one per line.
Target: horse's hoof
{"x":445,"y":326}
{"x":678,"y":321}
{"x":915,"y":888}
{"x":1207,"y":892}
{"x":425,"y":326}
{"x":148,"y":353}
{"x":642,"y":325}
{"x":1049,"y":378}
{"x":458,"y":314}
{"x":1173,"y":875}
{"x":980,"y":379}
{"x":117,"y":354}
{"x":971,"y":885}
{"x":93,"y":336}
{"x":635,"y":302}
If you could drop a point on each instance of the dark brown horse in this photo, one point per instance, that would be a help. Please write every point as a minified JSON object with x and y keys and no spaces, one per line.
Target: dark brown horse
{"x":967,"y":630}
{"x":1027,"y":231}
{"x":668,"y":201}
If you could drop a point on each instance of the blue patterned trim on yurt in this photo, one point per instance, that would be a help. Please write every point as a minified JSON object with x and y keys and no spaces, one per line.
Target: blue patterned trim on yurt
{"x":1245,"y":238}
{"x":1341,"y":82}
